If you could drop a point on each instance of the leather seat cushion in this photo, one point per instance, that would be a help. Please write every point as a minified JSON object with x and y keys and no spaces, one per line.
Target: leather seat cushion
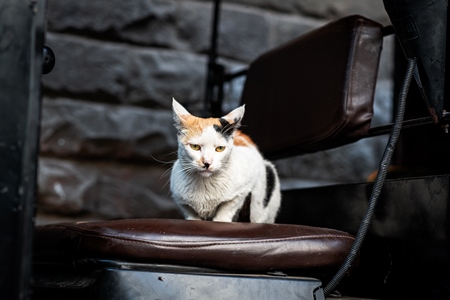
{"x":233,"y":246}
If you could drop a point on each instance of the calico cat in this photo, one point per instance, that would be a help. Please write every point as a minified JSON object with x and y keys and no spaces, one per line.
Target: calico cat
{"x":220,"y":175}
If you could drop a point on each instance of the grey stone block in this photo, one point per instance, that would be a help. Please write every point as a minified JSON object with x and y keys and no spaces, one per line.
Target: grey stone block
{"x":119,"y":73}
{"x":103,"y":16}
{"x":71,"y":128}
{"x":288,"y":27}
{"x":102,"y":189}
{"x":323,"y":9}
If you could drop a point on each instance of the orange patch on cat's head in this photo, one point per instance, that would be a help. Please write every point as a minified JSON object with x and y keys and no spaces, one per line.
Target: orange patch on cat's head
{"x":194,"y":126}
{"x":243,"y":140}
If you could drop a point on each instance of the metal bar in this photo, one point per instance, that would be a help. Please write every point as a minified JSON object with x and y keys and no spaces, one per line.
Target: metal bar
{"x":231,"y":76}
{"x":126,"y":284}
{"x":20,"y":76}
{"x":215,"y":32}
{"x":212,"y":57}
{"x":386,"y":129}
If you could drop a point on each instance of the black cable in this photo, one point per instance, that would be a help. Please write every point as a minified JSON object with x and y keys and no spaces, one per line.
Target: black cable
{"x":379,"y":181}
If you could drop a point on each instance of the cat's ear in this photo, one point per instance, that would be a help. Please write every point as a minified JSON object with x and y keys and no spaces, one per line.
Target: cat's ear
{"x":235,"y":116}
{"x":179,"y":114}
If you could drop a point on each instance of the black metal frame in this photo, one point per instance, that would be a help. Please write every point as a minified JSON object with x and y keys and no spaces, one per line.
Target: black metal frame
{"x":409,"y":124}
{"x":106,"y":279}
{"x":20,"y":74}
{"x":216,"y":73}
{"x":406,"y":253}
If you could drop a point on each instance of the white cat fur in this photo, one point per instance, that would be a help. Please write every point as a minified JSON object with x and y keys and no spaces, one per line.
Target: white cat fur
{"x":231,"y":176}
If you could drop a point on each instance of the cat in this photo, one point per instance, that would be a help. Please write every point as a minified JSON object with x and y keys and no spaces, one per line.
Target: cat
{"x":220,"y":175}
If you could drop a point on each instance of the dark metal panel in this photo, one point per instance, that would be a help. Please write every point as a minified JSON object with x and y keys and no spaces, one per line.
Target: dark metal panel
{"x":111,"y":280}
{"x":406,"y":254}
{"x":124,"y":285}
{"x":108,"y":279}
{"x":421,"y":28}
{"x":21,"y":43}
{"x":408,"y":208}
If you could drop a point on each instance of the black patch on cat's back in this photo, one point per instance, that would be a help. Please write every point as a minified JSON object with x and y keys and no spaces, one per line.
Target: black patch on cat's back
{"x":243,"y":215}
{"x":225,"y":128}
{"x":270,"y":184}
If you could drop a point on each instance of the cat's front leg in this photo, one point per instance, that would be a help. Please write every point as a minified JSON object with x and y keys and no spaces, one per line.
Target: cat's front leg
{"x":223,"y":218}
{"x":190,"y":217}
{"x":227,"y":210}
{"x":189,"y":213}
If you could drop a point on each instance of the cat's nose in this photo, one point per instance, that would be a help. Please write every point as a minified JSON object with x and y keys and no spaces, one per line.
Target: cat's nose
{"x":206,"y":165}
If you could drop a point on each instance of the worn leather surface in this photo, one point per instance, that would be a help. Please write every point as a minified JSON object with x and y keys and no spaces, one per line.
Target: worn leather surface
{"x":315,"y":92}
{"x":233,"y":246}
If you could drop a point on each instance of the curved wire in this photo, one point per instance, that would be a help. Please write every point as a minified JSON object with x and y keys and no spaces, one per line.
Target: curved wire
{"x":379,"y":181}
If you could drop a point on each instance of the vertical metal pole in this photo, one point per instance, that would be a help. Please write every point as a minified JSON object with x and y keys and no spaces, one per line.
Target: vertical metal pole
{"x":21,"y":44}
{"x":213,"y":67}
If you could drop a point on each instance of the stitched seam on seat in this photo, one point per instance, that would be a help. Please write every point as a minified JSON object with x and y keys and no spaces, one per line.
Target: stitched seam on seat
{"x":353,"y":58}
{"x":209,"y":244}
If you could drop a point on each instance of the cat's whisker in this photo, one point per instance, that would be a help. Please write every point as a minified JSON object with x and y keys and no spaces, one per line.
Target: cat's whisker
{"x":189,"y":169}
{"x":165,"y":184}
{"x":165,"y":172}
{"x":171,"y":153}
{"x":161,"y":161}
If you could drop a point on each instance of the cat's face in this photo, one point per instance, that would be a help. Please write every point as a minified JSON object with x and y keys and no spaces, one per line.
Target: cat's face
{"x":205,"y":144}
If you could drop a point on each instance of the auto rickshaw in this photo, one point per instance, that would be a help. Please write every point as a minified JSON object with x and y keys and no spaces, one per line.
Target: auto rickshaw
{"x":387,"y":239}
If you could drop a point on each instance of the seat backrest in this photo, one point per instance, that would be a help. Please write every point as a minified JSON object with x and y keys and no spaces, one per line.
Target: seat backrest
{"x":315,"y":92}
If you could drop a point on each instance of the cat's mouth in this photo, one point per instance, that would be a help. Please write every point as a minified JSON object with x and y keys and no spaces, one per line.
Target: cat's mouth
{"x":205,"y":172}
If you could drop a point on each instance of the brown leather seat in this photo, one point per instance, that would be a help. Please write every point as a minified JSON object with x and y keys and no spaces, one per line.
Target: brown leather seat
{"x":313,"y":93}
{"x":230,"y":246}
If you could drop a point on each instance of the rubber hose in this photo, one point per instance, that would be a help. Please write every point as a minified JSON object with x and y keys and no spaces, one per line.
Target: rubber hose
{"x":379,"y":181}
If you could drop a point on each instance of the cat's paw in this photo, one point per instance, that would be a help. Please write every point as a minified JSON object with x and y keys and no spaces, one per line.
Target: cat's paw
{"x":194,"y":218}
{"x":222,"y":219}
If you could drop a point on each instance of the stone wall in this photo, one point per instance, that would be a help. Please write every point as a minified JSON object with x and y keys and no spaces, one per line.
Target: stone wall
{"x":107,"y":140}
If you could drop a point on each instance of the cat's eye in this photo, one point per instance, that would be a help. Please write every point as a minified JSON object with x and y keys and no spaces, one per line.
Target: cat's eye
{"x":195,"y":147}
{"x":220,"y":148}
